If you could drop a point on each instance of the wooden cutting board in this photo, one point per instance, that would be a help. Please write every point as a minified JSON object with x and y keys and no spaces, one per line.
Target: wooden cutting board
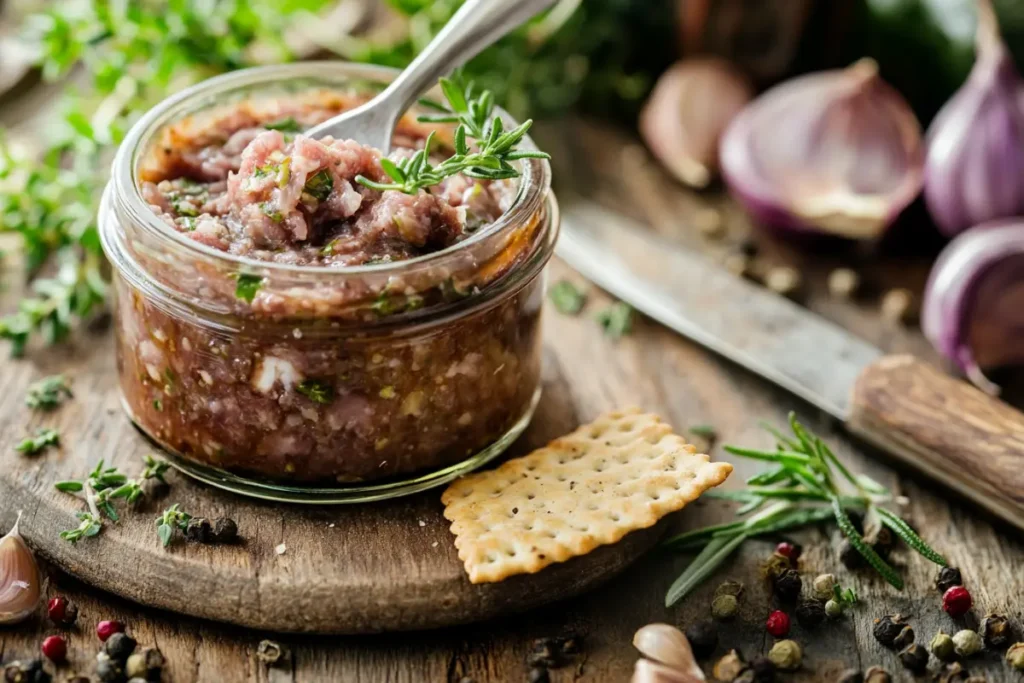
{"x":344,"y":569}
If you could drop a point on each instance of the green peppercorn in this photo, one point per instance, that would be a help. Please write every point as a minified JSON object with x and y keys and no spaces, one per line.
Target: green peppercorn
{"x":733,"y":588}
{"x":1015,"y":656}
{"x":724,"y":607}
{"x":729,"y":667}
{"x":145,"y":663}
{"x":996,"y":630}
{"x":833,"y":609}
{"x":914,"y":657}
{"x":786,"y":655}
{"x":823,"y":587}
{"x":775,"y":565}
{"x":942,"y":647}
{"x":967,"y":643}
{"x":904,"y":638}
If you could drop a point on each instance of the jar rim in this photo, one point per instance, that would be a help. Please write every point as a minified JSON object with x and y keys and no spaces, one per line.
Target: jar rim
{"x":534,"y":184}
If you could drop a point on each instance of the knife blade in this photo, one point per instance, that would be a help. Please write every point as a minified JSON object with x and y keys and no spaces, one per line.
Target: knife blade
{"x":941,"y":426}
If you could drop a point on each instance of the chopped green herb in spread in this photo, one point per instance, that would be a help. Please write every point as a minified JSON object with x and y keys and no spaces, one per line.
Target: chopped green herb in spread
{"x":270,"y":212}
{"x":188,"y":223}
{"x":567,"y":297}
{"x":48,"y":393}
{"x":315,"y":390}
{"x":319,"y":185}
{"x":287,"y":125}
{"x":247,"y":286}
{"x":31,"y":445}
{"x":158,"y":405}
{"x":183,"y":208}
{"x":616,"y":320}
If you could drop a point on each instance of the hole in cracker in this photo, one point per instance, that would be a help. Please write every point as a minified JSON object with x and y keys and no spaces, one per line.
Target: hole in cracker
{"x":614,"y":516}
{"x":626,"y":427}
{"x":531,"y":496}
{"x":596,"y":431}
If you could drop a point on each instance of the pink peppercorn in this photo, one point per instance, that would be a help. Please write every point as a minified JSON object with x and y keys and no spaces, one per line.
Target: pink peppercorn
{"x":55,"y":649}
{"x":105,"y":629}
{"x":957,"y":601}
{"x":790,"y":550}
{"x":778,"y":624}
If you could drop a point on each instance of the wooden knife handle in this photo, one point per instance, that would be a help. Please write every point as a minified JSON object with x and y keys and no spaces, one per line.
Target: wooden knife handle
{"x":946,"y":428}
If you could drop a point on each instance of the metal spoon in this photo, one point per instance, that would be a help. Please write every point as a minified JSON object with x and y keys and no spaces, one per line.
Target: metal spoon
{"x":476,"y":25}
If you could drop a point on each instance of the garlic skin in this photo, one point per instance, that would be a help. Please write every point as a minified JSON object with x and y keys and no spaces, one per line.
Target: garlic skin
{"x":835,"y":152}
{"x":668,"y":645}
{"x":690,"y":107}
{"x":973,"y":307}
{"x":20,"y":584}
{"x":647,"y":671}
{"x":974,"y":171}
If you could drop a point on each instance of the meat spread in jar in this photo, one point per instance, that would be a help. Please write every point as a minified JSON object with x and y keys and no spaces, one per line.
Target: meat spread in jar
{"x":359,"y":381}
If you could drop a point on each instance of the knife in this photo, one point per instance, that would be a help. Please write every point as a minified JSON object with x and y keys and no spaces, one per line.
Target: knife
{"x":939,"y":425}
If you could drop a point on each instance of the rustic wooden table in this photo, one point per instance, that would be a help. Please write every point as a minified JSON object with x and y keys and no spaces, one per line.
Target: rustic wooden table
{"x":585,"y":374}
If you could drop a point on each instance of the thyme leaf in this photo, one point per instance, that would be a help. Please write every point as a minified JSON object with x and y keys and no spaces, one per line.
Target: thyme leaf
{"x":567,"y":298}
{"x":32,"y":445}
{"x":48,"y":393}
{"x":616,"y":320}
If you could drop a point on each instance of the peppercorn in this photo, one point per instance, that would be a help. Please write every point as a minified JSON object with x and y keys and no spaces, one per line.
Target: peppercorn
{"x":850,"y":556}
{"x":823,"y":587}
{"x":883,"y":542}
{"x":570,"y":644}
{"x":899,"y":306}
{"x":788,"y":585}
{"x":61,"y":611}
{"x":29,"y":671}
{"x":786,"y":655}
{"x":843,"y":283}
{"x":887,"y":628}
{"x":954,"y":673}
{"x":783,"y":280}
{"x":269,"y":652}
{"x":105,"y":629}
{"x":775,"y":566}
{"x":145,"y":663}
{"x":109,"y":670}
{"x":904,"y":638}
{"x":996,"y":630}
{"x":724,"y":607}
{"x":733,"y":588}
{"x":957,"y":601}
{"x":948,"y":577}
{"x":791,"y":550}
{"x":728,"y":667}
{"x":778,"y":624}
{"x":877,"y":674}
{"x":763,"y":670}
{"x":810,"y":613}
{"x":967,"y":643}
{"x":199,"y":530}
{"x":80,"y":679}
{"x":538,"y":675}
{"x":914,"y":657}
{"x":1015,"y":656}
{"x":55,"y":649}
{"x":851,"y":676}
{"x":942,"y":647}
{"x":545,"y":653}
{"x":703,"y":637}
{"x":833,"y":609}
{"x":225,"y":530}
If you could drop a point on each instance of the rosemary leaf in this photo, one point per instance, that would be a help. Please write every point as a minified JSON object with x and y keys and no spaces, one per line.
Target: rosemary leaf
{"x":910,"y":537}
{"x":713,"y":555}
{"x":880,"y":565}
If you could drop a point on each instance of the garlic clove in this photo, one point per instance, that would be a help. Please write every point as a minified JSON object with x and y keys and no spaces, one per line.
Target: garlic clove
{"x":688,"y":110}
{"x":835,"y":152}
{"x":647,"y":671}
{"x":668,"y":645}
{"x":20,"y":584}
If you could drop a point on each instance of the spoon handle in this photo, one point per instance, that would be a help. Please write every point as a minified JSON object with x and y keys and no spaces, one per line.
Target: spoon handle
{"x":477,"y":24}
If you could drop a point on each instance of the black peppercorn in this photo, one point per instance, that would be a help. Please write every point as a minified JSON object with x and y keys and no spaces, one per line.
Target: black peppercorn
{"x":545,"y":653}
{"x":119,"y":646}
{"x":29,"y":671}
{"x":883,"y":542}
{"x":763,"y":670}
{"x":703,"y":637}
{"x":850,"y":556}
{"x":914,"y":657}
{"x":225,"y":530}
{"x":948,"y":577}
{"x":538,"y":675}
{"x":851,"y":676}
{"x":904,"y":638}
{"x":887,"y":628}
{"x":810,"y":613}
{"x":788,"y":585}
{"x":109,"y":670}
{"x":997,"y":631}
{"x":199,"y":530}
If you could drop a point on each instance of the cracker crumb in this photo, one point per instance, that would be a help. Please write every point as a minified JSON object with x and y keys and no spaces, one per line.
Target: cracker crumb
{"x":280,"y":550}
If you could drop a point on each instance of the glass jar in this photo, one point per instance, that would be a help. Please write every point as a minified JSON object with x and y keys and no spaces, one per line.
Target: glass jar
{"x":312,"y":384}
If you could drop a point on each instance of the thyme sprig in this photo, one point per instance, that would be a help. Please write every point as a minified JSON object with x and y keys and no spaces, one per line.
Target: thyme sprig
{"x":31,"y":445}
{"x":170,"y":519}
{"x":490,"y":156}
{"x":807,"y":484}
{"x":48,"y":393}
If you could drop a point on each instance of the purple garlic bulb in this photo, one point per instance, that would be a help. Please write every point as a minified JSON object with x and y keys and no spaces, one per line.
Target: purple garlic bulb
{"x":974,"y":170}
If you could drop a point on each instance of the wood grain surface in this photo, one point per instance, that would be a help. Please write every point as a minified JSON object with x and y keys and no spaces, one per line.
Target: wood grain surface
{"x":587,"y":373}
{"x":948,"y":429}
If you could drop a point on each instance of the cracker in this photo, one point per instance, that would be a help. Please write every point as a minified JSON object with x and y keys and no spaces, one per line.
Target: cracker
{"x":623,"y":471}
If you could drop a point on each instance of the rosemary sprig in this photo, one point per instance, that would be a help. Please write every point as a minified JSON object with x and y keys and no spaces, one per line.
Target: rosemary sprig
{"x":807,"y":484}
{"x":490,"y":156}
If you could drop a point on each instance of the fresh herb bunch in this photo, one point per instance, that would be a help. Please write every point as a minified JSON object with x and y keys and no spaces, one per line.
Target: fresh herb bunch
{"x":489,"y":158}
{"x":134,"y":54}
{"x":48,"y":393}
{"x":801,"y":488}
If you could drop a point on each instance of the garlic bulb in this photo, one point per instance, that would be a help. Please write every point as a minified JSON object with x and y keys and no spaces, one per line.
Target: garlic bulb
{"x":687,"y":112}
{"x":20,"y":585}
{"x":647,"y":671}
{"x":974,"y":170}
{"x":834,"y":152}
{"x":666,"y":644}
